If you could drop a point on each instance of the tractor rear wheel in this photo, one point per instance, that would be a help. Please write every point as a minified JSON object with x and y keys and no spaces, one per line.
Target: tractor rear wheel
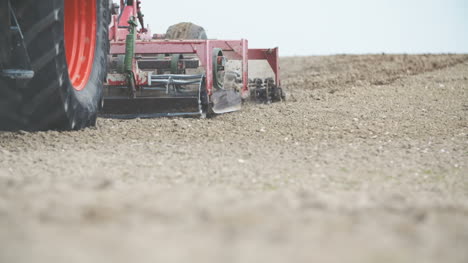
{"x":67,"y":42}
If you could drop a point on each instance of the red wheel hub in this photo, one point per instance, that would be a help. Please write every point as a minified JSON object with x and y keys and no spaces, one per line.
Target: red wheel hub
{"x":80,"y":40}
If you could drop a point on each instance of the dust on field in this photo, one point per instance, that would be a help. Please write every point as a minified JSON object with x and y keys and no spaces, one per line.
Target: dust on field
{"x":365,"y":162}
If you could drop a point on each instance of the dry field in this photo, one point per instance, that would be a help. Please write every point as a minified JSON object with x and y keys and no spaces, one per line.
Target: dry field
{"x":367,"y":161}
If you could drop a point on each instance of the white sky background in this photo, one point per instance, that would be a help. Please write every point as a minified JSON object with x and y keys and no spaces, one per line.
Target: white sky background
{"x":320,"y":27}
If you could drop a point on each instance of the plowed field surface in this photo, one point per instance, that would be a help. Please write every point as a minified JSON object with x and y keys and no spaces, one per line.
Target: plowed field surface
{"x":367,"y":161}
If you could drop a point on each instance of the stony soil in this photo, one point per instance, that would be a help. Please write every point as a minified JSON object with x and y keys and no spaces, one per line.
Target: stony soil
{"x":367,"y":161}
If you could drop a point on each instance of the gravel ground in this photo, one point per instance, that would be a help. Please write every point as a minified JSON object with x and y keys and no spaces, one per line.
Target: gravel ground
{"x":367,"y":161}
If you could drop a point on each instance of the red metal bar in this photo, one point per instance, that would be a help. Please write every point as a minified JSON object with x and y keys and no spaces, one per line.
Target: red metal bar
{"x":245,"y":68}
{"x":117,"y":29}
{"x":127,"y":13}
{"x":270,"y":55}
{"x":158,"y":47}
{"x":209,"y":67}
{"x":177,"y":46}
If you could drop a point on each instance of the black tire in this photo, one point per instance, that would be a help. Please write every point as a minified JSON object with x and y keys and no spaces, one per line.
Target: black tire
{"x":185,"y":31}
{"x":4,"y":32}
{"x":49,"y":101}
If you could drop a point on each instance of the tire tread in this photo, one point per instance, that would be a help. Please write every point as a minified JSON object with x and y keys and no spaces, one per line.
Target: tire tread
{"x":48,"y":102}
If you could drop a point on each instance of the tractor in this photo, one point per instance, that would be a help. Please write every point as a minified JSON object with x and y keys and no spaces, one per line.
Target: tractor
{"x":63,"y":63}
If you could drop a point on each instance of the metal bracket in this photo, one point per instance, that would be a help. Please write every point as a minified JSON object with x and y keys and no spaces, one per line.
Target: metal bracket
{"x":17,"y":73}
{"x":21,"y":65}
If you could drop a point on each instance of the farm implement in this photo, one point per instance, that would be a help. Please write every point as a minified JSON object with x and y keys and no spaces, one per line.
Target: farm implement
{"x":179,"y":73}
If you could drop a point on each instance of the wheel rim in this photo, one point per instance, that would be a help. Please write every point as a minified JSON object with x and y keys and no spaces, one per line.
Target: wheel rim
{"x":80,"y":40}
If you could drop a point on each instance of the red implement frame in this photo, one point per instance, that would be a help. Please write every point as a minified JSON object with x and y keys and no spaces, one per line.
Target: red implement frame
{"x":232,"y":49}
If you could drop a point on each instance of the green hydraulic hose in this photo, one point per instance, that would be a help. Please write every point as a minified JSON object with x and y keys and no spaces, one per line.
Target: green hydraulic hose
{"x":130,"y":47}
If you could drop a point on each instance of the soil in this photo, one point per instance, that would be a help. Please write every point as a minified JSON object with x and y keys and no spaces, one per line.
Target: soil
{"x":367,"y":161}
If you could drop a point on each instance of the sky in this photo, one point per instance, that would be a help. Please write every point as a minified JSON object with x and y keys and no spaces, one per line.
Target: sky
{"x":322,"y":27}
